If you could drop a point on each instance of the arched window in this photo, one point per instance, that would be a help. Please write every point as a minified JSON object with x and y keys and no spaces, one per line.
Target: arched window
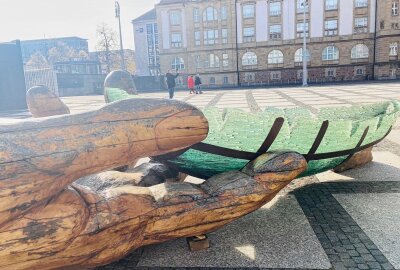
{"x":178,"y":63}
{"x":275,"y":57}
{"x":213,"y":61}
{"x":330,"y":53}
{"x":249,"y":59}
{"x":359,"y":51}
{"x":298,"y":56}
{"x":210,"y":14}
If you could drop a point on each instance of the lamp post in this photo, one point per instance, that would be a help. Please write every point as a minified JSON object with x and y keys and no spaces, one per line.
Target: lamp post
{"x":305,"y":72}
{"x":118,"y":15}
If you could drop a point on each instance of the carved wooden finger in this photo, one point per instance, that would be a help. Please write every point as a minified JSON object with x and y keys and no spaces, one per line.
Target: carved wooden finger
{"x":40,"y":157}
{"x":42,"y":102}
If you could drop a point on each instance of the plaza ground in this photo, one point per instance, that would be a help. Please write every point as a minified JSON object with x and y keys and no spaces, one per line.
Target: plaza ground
{"x":327,"y":221}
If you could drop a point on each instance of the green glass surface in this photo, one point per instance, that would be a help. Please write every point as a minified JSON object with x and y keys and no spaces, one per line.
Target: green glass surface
{"x":235,"y":129}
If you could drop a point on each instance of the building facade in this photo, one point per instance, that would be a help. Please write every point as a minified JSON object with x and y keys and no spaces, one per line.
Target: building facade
{"x":248,"y":42}
{"x":145,"y":30}
{"x":42,"y":46}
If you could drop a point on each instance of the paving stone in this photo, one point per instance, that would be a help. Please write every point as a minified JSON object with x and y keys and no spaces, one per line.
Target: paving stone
{"x":359,"y":260}
{"x":373,"y":213}
{"x":362,"y":266}
{"x":368,"y":257}
{"x":374,"y":265}
{"x":353,"y":253}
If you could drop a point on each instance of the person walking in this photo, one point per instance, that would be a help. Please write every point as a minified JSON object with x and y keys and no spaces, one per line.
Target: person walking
{"x":191,"y":84}
{"x":197,"y":83}
{"x":171,"y":82}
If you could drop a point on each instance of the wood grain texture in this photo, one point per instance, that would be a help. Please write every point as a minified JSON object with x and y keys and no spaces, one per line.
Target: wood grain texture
{"x":48,"y":220}
{"x":357,"y":160}
{"x":102,"y":223}
{"x":42,"y":102}
{"x":39,"y":157}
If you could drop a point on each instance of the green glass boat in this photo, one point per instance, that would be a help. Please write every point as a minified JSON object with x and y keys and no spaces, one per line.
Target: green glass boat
{"x":326,"y":139}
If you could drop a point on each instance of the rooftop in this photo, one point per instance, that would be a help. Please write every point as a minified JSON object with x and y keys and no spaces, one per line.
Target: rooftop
{"x":150,"y":15}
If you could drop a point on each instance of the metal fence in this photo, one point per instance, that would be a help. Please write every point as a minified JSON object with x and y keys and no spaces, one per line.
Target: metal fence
{"x":46,"y":77}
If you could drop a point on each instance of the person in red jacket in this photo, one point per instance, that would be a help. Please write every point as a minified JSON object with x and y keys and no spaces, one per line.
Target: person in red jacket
{"x":191,"y":84}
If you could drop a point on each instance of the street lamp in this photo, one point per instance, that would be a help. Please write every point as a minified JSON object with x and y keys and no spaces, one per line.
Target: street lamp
{"x":305,"y":74}
{"x":118,"y":15}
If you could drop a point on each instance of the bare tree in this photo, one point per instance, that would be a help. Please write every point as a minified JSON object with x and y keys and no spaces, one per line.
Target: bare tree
{"x":106,"y":44}
{"x":37,"y":61}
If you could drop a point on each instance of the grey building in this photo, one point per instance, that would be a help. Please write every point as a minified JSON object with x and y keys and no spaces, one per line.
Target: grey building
{"x":145,"y":31}
{"x":42,"y":46}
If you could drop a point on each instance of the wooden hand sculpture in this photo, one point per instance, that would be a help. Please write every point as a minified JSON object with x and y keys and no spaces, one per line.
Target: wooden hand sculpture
{"x":47,"y":221}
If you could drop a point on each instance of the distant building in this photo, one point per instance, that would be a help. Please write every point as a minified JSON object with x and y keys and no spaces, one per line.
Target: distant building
{"x":145,"y":30}
{"x":42,"y":46}
{"x":241,"y":42}
{"x":81,"y":77}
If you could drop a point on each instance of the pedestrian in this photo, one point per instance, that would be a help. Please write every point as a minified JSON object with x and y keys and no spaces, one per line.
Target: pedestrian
{"x":197,"y":83}
{"x":191,"y":84}
{"x":171,"y":82}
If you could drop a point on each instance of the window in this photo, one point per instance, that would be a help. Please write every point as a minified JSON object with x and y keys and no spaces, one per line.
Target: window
{"x":248,"y":34}
{"x":361,"y":3}
{"x":176,"y":40}
{"x":197,"y":38}
{"x":392,"y":72}
{"x":331,"y":27}
{"x":393,"y":49}
{"x":178,"y":63}
{"x":224,"y":13}
{"x":198,"y":61}
{"x":225,"y":60}
{"x":249,"y":77}
{"x":210,"y":37}
{"x":175,"y":17}
{"x":298,"y":56}
{"x":331,"y":4}
{"x":249,"y":59}
{"x":395,"y":8}
{"x":226,"y":80}
{"x":300,"y":29}
{"x":302,"y":5}
{"x":361,"y":25}
{"x":359,"y":71}
{"x":300,"y":74}
{"x":330,"y":53}
{"x":210,"y":14}
{"x":275,"y":31}
{"x":212,"y":61}
{"x":275,"y":57}
{"x":224,"y":35}
{"x":275,"y":9}
{"x":212,"y":80}
{"x":248,"y":11}
{"x":359,"y":51}
{"x":196,"y":15}
{"x":330,"y":72}
{"x":275,"y":75}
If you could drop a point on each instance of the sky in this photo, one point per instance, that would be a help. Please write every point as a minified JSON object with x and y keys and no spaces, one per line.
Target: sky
{"x":36,"y":19}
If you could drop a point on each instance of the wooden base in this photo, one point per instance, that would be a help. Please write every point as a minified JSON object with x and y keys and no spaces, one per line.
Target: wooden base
{"x":357,"y":160}
{"x":197,"y":243}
